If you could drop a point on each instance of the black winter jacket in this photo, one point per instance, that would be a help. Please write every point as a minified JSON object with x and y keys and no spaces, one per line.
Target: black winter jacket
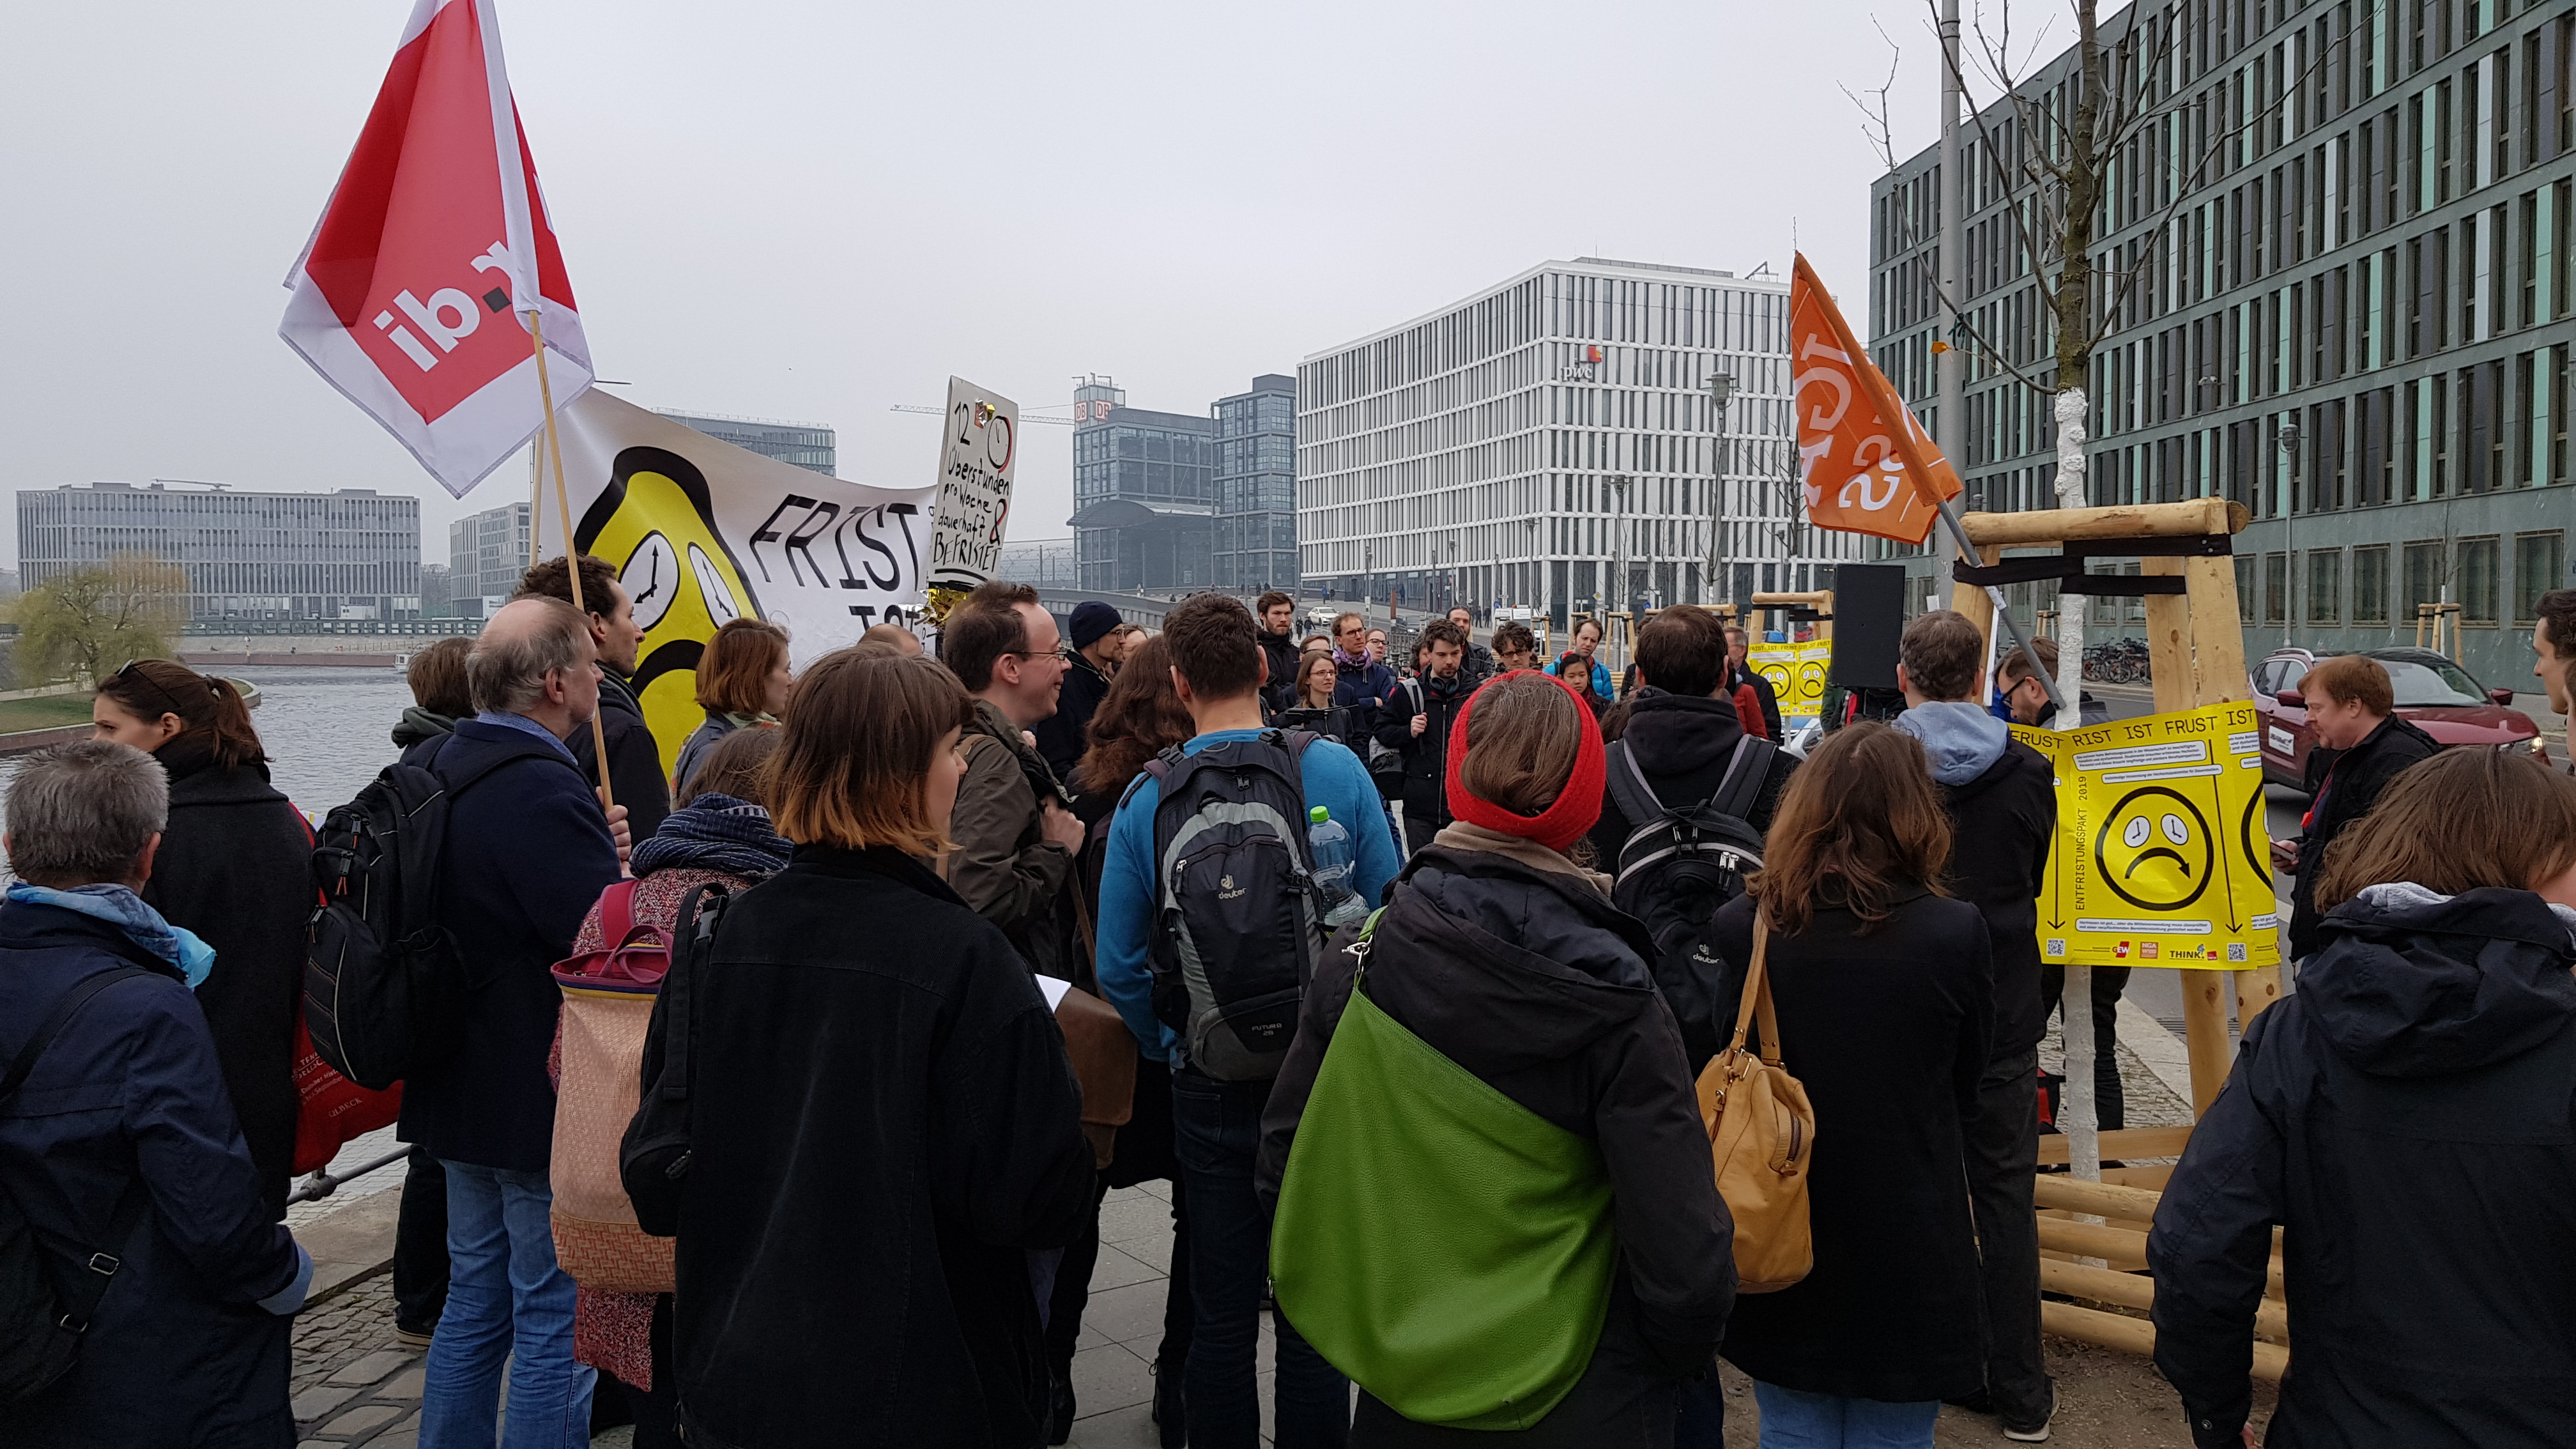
{"x":236,"y":867}
{"x":527,"y":854}
{"x":180,"y":1352}
{"x":1887,"y":1030}
{"x":2352,"y":785}
{"x":2001,"y":824}
{"x":1684,"y":743}
{"x":635,"y":770}
{"x":2409,"y":1118}
{"x":1279,"y":656}
{"x":884,"y":1120}
{"x":1531,"y":980}
{"x":1426,"y":756}
{"x":1064,"y":735}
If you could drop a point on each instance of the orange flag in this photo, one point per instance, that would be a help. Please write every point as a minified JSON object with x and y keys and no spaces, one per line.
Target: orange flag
{"x":1866,"y":464}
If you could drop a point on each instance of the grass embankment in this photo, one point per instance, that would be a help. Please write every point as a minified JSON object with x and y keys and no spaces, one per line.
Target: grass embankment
{"x":45,"y":712}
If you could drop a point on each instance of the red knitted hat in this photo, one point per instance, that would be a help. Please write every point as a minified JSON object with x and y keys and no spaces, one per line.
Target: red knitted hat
{"x":1576,"y":808}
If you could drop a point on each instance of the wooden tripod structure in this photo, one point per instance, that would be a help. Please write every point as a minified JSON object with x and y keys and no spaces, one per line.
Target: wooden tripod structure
{"x":2196,"y":647}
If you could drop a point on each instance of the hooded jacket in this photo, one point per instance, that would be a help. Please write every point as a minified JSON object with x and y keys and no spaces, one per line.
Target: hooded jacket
{"x":634,"y":757}
{"x":2002,"y":798}
{"x":182,"y":1350}
{"x":1513,"y":964}
{"x":419,"y":724}
{"x":1684,"y":744}
{"x":2409,"y":1117}
{"x":2351,"y":786}
{"x":236,"y":867}
{"x":1426,"y":756}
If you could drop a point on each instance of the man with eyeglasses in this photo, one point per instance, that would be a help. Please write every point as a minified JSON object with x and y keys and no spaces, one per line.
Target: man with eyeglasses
{"x":1016,"y":840}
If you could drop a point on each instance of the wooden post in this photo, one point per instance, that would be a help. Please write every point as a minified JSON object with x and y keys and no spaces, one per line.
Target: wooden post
{"x":572,"y":569}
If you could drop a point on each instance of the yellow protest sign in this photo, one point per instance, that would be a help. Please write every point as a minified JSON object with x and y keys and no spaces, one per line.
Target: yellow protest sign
{"x":2163,"y":855}
{"x":1797,"y":676}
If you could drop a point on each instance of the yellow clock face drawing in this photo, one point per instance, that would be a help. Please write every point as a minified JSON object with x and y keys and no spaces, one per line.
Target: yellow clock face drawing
{"x":655,"y":524}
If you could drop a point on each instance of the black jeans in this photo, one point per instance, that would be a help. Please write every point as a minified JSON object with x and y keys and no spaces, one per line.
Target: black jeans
{"x":1216,"y":1132}
{"x":2108,"y":983}
{"x":420,"y":1245}
{"x":1073,"y":1293}
{"x":2003,"y":1157}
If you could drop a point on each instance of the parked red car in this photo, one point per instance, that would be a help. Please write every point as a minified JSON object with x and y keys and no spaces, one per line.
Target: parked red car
{"x":2434,"y":694}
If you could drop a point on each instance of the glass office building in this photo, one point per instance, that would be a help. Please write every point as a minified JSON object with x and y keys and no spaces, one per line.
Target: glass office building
{"x":2351,"y":310}
{"x":809,"y":446}
{"x":1518,"y":447}
{"x":349,"y":554}
{"x":1256,"y":487}
{"x":487,"y":552}
{"x":1144,"y":494}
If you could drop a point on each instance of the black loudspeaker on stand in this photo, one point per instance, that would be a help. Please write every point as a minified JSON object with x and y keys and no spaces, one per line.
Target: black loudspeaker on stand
{"x":1869,"y":614}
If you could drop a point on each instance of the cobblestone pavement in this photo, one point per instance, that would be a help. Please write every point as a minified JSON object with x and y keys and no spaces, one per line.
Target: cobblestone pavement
{"x":354,"y":1383}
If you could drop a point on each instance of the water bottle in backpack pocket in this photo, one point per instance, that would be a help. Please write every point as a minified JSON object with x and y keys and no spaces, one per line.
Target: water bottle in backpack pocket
{"x":1678,"y":866}
{"x":1238,"y":922}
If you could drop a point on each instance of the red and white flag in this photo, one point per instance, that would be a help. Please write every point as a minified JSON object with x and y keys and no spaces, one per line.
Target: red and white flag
{"x":410,"y":298}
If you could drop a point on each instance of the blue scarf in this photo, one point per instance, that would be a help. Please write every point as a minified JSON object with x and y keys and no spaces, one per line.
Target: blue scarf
{"x":125,"y":910}
{"x":715,"y":832}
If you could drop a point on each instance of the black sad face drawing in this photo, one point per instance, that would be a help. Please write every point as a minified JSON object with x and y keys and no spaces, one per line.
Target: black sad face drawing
{"x":2154,"y":850}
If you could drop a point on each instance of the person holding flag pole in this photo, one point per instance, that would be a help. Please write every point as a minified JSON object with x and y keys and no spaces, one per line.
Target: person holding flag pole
{"x":435,"y":233}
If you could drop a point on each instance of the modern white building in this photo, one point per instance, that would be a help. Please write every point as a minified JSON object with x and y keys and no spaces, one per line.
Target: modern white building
{"x":1519,"y":446}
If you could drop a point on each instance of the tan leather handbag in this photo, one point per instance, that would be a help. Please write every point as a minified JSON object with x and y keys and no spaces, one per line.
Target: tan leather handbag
{"x":1104,"y":1062}
{"x":1762,"y":1136}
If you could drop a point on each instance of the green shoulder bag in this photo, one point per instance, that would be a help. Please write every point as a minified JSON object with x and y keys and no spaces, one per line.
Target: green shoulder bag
{"x":1442,"y":1245}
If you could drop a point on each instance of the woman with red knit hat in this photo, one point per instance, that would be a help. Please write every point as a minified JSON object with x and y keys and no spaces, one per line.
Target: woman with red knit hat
{"x":1495,"y":1209}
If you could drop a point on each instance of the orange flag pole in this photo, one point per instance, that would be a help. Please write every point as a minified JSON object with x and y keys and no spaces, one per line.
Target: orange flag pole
{"x":1918,"y":468}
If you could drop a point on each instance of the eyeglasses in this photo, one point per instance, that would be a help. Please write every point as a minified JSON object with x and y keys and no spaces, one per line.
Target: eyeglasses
{"x":148,"y":682}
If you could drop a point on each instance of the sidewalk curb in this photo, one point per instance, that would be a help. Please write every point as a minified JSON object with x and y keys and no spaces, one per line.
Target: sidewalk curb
{"x":352,"y":1245}
{"x":2158,"y":1050}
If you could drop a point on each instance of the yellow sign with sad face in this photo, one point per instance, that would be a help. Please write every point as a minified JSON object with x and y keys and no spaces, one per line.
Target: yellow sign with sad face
{"x":2162,"y":855}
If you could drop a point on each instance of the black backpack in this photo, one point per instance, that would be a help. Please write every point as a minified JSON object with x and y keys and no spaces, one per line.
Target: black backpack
{"x":653,"y":1157}
{"x":1238,"y":922}
{"x":384,"y":995}
{"x":1680,"y":863}
{"x":41,"y":1322}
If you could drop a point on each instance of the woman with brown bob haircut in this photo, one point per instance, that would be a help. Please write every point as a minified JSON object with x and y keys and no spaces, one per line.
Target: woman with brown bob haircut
{"x":235,"y":867}
{"x":885,"y":1123}
{"x":1883,"y":989}
{"x":2405,"y":1119}
{"x":743,"y":682}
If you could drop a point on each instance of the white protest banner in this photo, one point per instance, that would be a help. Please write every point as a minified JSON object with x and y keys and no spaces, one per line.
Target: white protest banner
{"x":978,"y":458}
{"x":702,"y":532}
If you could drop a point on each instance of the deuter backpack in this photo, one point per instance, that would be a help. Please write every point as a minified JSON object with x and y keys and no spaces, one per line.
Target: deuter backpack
{"x":384,"y":995}
{"x":653,"y":1155}
{"x":1238,"y":923}
{"x":1679,"y":864}
{"x":41,"y":1321}
{"x":608,"y":997}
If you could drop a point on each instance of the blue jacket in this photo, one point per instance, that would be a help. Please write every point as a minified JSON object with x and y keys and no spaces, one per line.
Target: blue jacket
{"x":180,"y":1352}
{"x":1361,"y":691}
{"x":527,"y":854}
{"x":1568,"y":666}
{"x":1333,"y":778}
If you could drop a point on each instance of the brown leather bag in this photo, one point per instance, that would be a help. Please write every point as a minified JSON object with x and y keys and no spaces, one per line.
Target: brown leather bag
{"x":1104,"y":1062}
{"x":1762,"y":1136}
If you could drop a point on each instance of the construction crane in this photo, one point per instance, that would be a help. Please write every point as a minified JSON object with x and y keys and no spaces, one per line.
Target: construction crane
{"x":1025,"y":416}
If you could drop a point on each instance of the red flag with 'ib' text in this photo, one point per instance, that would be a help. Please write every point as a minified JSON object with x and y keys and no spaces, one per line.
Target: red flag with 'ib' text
{"x":413,"y":296}
{"x":1866,"y":464}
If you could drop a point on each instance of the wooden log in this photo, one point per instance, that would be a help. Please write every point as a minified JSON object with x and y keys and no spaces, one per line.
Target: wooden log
{"x":2093,"y":1240}
{"x":2204,"y":1016}
{"x":2137,"y":1335}
{"x":2143,"y":520}
{"x":2152,"y":1179}
{"x":2217,"y":633}
{"x":2057,"y":1190}
{"x":2137,"y":1290}
{"x":2129,"y":1142}
{"x":1973,"y":601}
{"x":2255,"y":990}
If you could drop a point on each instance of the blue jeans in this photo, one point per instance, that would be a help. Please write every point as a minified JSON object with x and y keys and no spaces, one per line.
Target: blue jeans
{"x":1795,"y":1419}
{"x":506,"y":1301}
{"x":1216,"y":1130}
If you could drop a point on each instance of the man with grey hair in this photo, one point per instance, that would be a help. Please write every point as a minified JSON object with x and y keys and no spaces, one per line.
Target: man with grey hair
{"x":528,"y":850}
{"x":117,"y":1139}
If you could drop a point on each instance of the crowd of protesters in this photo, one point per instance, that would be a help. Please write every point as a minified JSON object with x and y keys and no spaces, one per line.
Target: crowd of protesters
{"x":1428,"y":1084}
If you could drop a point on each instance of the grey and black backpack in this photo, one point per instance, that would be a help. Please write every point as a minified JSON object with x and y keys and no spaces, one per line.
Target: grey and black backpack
{"x":1680,"y":863}
{"x":1238,"y":924}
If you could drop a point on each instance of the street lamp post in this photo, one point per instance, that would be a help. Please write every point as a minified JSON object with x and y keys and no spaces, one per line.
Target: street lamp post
{"x":1618,"y":599}
{"x":2289,"y":534}
{"x":1721,"y":388}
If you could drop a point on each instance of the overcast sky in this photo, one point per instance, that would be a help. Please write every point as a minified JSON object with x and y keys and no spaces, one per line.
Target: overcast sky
{"x":816,"y":211}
